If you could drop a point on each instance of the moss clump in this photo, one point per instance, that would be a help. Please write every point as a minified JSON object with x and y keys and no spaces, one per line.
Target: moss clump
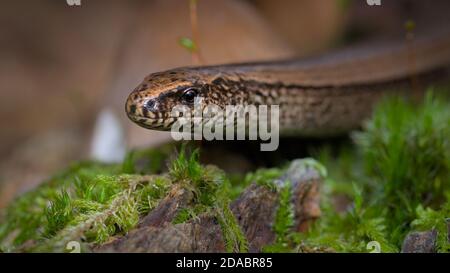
{"x":407,"y":150}
{"x":284,"y":221}
{"x":94,"y":221}
{"x":58,"y":214}
{"x":428,"y":219}
{"x":203,"y":182}
{"x":284,"y":218}
{"x":25,"y":220}
{"x":400,"y":163}
{"x":235,"y":240}
{"x":88,"y":202}
{"x":264,"y":177}
{"x":285,"y":215}
{"x":212,"y":195}
{"x":111,"y":205}
{"x":395,"y":179}
{"x":347,"y":231}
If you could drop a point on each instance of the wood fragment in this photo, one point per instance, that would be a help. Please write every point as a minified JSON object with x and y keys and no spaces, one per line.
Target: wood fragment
{"x":254,"y":211}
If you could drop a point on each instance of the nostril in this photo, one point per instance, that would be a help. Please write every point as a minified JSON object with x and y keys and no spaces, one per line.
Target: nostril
{"x":151,"y":105}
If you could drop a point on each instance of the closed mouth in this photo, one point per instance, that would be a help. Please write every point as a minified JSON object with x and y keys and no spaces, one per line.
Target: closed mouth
{"x":150,"y":123}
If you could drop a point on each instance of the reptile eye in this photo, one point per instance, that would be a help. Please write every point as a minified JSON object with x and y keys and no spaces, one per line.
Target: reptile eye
{"x":150,"y":105}
{"x":189,"y":95}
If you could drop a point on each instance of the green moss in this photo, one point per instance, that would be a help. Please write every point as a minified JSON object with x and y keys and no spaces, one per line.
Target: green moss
{"x":428,"y":219}
{"x":95,"y":218}
{"x":150,"y":194}
{"x":235,"y":240}
{"x":406,"y":149}
{"x":393,"y":180}
{"x":26,"y":218}
{"x":203,"y":181}
{"x":93,"y":199}
{"x":58,"y":214}
{"x":189,"y":213}
{"x":212,"y":191}
{"x":284,"y":221}
{"x":263,"y":177}
{"x":400,"y":163}
{"x":348,"y":231}
{"x":187,"y":167}
{"x":91,"y":202}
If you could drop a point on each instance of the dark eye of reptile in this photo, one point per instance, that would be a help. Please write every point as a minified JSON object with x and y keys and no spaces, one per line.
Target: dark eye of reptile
{"x":189,"y":95}
{"x":150,"y":104}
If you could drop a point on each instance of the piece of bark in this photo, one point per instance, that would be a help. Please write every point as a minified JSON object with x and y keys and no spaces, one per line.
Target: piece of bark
{"x":200,"y":235}
{"x":420,"y":242}
{"x":254,"y":211}
{"x":305,"y":181}
{"x":167,"y":209}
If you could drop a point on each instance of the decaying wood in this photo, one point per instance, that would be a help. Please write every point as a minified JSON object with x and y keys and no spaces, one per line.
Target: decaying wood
{"x":305,"y":184}
{"x":254,"y":210}
{"x":167,"y":209}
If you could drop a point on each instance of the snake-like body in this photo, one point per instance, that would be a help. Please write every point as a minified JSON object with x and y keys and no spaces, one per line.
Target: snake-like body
{"x":322,"y":96}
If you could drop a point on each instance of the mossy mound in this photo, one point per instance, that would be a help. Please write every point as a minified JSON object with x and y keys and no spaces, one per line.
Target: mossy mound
{"x":395,"y":178}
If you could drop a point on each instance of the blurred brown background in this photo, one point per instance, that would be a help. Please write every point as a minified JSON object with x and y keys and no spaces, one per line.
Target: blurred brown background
{"x":61,"y":65}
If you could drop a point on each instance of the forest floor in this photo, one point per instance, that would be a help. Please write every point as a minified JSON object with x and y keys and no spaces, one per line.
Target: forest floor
{"x":393,"y":179}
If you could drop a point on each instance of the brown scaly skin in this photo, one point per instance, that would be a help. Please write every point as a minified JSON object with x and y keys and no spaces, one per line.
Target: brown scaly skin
{"x":325,"y":96}
{"x":151,"y":103}
{"x":317,"y":112}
